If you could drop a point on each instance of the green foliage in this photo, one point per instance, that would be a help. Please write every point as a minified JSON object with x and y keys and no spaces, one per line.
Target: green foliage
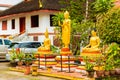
{"x":84,"y":29}
{"x":13,"y":55}
{"x":28,"y":59}
{"x":20,"y":55}
{"x":75,"y":8}
{"x":102,"y":6}
{"x":99,"y":62}
{"x":88,"y":64}
{"x":109,"y":26}
{"x":58,"y":19}
{"x":16,"y":54}
{"x":108,"y":67}
{"x":55,"y":49}
{"x":113,"y":55}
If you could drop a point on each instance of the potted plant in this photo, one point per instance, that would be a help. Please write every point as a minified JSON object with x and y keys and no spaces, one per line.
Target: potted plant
{"x":99,"y":62}
{"x":89,"y":66}
{"x":13,"y":57}
{"x":20,"y":57}
{"x":28,"y":60}
{"x":112,"y":56}
{"x":107,"y":68}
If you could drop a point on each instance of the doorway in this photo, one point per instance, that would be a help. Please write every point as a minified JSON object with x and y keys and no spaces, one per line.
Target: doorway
{"x":22,"y":25}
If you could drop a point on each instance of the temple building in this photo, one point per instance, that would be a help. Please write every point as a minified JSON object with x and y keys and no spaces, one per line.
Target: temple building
{"x":30,"y":16}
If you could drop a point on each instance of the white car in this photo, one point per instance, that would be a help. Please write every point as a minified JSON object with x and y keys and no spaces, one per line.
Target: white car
{"x":26,"y":47}
{"x":4,"y":44}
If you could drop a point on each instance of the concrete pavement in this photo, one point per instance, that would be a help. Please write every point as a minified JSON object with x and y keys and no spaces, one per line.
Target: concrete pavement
{"x":6,"y":74}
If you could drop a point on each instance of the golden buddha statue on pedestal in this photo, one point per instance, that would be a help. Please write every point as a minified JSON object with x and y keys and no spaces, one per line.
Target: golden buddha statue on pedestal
{"x":66,"y":30}
{"x":45,"y":55}
{"x":66,"y":54}
{"x":47,"y":43}
{"x":92,"y":47}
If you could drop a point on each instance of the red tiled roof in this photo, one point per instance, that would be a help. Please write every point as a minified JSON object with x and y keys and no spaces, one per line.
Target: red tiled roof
{"x":32,"y":5}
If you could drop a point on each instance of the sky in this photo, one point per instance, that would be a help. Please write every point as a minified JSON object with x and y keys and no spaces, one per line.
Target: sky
{"x":10,"y":2}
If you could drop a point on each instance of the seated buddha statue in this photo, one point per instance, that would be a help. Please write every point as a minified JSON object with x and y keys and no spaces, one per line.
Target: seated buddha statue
{"x":47,"y":43}
{"x":93,"y":44}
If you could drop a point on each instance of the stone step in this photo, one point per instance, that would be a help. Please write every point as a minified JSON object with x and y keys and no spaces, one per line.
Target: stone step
{"x":2,"y":60}
{"x":2,"y":57}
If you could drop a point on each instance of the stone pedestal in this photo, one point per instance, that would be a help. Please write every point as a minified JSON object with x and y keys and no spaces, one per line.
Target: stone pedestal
{"x":65,"y":62}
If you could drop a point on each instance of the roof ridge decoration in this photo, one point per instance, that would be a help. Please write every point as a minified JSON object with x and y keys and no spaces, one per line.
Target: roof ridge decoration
{"x":40,"y":3}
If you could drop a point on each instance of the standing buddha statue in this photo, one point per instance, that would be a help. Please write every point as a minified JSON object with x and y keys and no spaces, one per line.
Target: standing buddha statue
{"x":66,"y":30}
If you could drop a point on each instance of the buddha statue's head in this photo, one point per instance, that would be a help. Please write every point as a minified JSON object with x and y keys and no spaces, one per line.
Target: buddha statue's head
{"x":46,"y":33}
{"x":66,"y":14}
{"x":93,"y":32}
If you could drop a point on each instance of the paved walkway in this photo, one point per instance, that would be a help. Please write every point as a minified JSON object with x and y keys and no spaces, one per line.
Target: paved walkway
{"x":6,"y":74}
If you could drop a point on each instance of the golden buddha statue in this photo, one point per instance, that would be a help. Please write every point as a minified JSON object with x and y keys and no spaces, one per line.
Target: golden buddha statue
{"x":47,"y":43}
{"x":66,"y":30}
{"x":93,"y":45}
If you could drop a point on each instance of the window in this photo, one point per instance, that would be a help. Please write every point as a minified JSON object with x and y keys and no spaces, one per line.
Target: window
{"x":30,"y":45}
{"x":1,"y":43}
{"x":51,"y":20}
{"x":7,"y":42}
{"x":25,"y":45}
{"x":13,"y":23}
{"x":36,"y":44}
{"x":34,"y":21}
{"x":4,"y":25}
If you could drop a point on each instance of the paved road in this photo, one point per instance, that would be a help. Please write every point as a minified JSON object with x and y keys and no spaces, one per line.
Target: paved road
{"x":6,"y":74}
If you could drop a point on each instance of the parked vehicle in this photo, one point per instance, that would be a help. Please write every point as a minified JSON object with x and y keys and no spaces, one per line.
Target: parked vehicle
{"x":4,"y":44}
{"x":26,"y":47}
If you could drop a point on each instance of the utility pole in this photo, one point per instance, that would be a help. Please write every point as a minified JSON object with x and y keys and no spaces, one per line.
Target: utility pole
{"x":86,"y":11}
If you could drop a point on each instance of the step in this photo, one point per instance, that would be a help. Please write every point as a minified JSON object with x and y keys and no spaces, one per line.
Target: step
{"x":2,"y":54}
{"x":1,"y":60}
{"x":2,"y":57}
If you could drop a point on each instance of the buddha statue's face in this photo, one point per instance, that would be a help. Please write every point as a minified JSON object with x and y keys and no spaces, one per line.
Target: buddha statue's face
{"x":93,"y":33}
{"x":66,"y":15}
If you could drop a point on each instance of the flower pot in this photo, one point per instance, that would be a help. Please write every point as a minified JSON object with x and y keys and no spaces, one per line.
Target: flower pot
{"x":106,"y":73}
{"x":112,"y":72}
{"x":90,"y":74}
{"x":117,"y":70}
{"x":20,"y":63}
{"x":100,"y":73}
{"x":27,"y":70}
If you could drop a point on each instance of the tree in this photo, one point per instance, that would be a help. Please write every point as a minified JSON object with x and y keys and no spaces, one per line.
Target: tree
{"x":75,"y":8}
{"x":109,"y":26}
